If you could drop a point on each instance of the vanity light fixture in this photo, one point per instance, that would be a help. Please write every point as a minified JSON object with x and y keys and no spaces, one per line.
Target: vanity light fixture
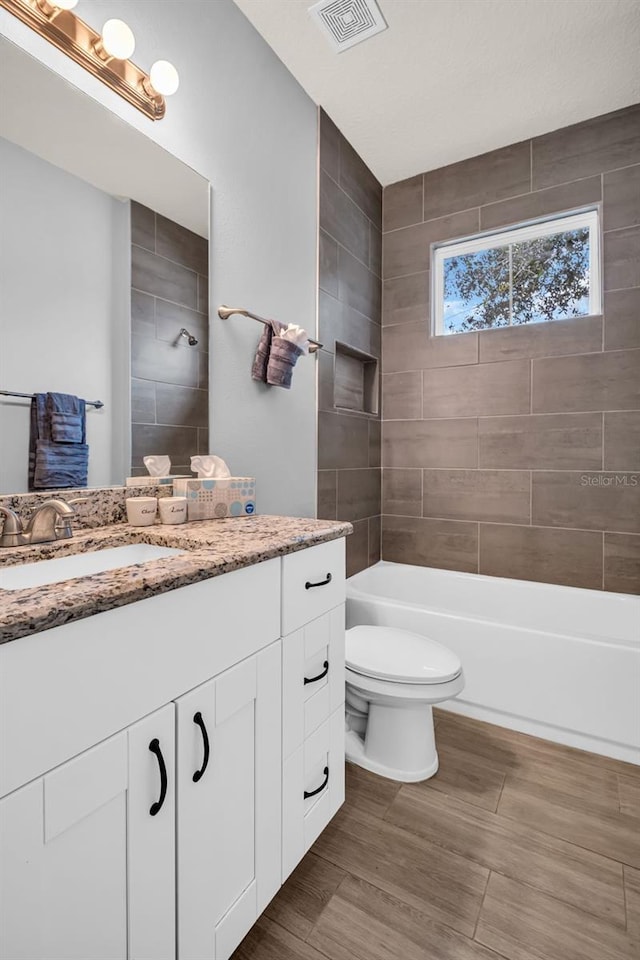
{"x":105,"y":56}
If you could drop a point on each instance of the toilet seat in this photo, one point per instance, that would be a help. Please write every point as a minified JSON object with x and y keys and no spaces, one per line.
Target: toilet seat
{"x":398,"y":656}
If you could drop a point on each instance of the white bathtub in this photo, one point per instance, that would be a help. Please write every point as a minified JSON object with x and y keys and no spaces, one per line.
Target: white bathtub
{"x":557,"y":662}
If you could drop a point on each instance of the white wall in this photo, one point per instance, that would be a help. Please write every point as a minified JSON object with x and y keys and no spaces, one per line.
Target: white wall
{"x":56,"y":321}
{"x":242,"y":121}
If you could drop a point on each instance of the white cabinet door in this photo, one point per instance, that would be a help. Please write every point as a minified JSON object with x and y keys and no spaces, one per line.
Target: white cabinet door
{"x":229,"y":804}
{"x":86,"y":871}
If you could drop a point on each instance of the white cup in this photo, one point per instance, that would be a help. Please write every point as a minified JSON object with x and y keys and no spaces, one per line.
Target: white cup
{"x":172,"y":509}
{"x":141,"y":511}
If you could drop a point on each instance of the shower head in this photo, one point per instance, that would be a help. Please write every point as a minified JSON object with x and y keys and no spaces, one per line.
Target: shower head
{"x":189,"y":336}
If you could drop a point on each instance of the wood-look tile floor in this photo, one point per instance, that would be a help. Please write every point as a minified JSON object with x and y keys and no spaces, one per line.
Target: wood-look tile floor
{"x":518,"y":848}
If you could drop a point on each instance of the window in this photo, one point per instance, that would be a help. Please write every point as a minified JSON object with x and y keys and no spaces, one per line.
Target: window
{"x":532,"y":274}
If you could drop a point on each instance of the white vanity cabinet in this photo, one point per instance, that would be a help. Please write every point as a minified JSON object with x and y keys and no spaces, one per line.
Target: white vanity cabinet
{"x":149,"y":791}
{"x":86,"y":870}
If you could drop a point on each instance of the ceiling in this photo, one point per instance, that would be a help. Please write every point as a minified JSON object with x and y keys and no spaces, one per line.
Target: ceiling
{"x":451,"y":79}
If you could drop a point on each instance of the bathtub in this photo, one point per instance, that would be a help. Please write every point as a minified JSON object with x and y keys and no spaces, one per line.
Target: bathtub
{"x":556,"y":662}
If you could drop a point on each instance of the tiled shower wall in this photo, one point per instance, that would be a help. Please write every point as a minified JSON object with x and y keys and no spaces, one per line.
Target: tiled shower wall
{"x":349,"y":313}
{"x":516,"y":452}
{"x":169,"y":379}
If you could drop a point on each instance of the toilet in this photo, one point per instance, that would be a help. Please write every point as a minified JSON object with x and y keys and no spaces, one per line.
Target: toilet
{"x":393,"y":679}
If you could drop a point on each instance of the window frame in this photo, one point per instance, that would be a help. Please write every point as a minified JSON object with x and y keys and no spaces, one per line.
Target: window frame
{"x":530,"y":230}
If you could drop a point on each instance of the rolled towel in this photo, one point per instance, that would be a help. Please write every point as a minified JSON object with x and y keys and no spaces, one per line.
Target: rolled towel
{"x":282,"y":359}
{"x":261,"y":359}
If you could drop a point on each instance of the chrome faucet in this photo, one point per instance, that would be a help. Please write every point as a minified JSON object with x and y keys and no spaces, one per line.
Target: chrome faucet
{"x":50,"y":521}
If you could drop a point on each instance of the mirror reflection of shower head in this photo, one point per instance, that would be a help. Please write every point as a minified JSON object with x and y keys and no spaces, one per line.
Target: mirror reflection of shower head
{"x":189,"y":336}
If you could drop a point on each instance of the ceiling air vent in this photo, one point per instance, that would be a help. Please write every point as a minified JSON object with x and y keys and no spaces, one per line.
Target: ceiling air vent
{"x":347,"y":22}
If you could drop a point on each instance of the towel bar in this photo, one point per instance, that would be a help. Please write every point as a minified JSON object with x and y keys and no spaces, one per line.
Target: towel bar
{"x":29,"y":396}
{"x":225,"y":312}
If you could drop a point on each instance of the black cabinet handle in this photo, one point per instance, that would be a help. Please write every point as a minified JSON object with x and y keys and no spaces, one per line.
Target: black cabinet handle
{"x":322,"y":583}
{"x":156,"y":807}
{"x":197,"y":719}
{"x":320,"y":675}
{"x":312,"y":793}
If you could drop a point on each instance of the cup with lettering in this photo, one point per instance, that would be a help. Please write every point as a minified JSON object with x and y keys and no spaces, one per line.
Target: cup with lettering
{"x":173,"y":509}
{"x":141,"y":511}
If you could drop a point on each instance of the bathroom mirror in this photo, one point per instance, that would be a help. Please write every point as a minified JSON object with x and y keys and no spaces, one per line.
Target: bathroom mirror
{"x":104,"y":260}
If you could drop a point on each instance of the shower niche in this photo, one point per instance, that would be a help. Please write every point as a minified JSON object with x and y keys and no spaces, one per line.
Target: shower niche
{"x":356,"y":380}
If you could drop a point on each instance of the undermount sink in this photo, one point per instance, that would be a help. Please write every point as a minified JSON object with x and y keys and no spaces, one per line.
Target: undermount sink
{"x":24,"y":576}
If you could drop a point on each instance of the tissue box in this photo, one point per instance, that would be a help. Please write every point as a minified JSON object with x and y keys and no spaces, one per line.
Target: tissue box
{"x":151,"y":481}
{"x":218,"y":499}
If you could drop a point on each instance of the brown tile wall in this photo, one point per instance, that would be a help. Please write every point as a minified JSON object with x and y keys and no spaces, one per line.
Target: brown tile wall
{"x":349,"y":469}
{"x":516,"y":452}
{"x":169,"y":380}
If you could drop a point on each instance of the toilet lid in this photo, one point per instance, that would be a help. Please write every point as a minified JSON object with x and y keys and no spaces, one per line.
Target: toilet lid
{"x":399,"y":656}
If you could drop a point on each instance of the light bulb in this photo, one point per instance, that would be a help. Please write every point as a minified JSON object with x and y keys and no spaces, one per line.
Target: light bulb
{"x":64,"y":4}
{"x":118,"y":39}
{"x":164,"y":78}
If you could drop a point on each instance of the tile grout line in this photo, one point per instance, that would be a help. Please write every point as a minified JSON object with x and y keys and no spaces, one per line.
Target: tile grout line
{"x":174,"y":303}
{"x":531,"y":166}
{"x":573,"y":843}
{"x":626,"y":900}
{"x":504,"y":781}
{"x":177,"y":263}
{"x":509,"y":199}
{"x":506,"y":523}
{"x":619,"y":794}
{"x":500,"y":416}
{"x":478,"y":206}
{"x":348,"y":875}
{"x":348,"y":195}
{"x":484,"y":896}
{"x":487,"y":363}
{"x":351,"y":254}
{"x":413,"y":466}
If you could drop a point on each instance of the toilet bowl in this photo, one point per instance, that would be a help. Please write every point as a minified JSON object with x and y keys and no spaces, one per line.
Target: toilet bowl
{"x":393,"y":678}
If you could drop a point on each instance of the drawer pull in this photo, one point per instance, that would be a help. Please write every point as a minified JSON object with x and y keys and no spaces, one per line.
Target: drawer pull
{"x":320,"y":675}
{"x":156,"y":807}
{"x":197,"y":719}
{"x":312,"y":793}
{"x":322,"y":583}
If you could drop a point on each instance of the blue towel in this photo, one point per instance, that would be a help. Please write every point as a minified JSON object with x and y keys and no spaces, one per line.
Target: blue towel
{"x":58,"y":451}
{"x":67,"y":427}
{"x":60,"y":465}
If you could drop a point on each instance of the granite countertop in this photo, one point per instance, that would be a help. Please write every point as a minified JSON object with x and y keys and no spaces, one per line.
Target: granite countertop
{"x":213,"y":547}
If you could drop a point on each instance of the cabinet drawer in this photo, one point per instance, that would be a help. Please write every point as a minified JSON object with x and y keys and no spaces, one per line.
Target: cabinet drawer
{"x":312,"y":677}
{"x":312,"y":789}
{"x":313,"y":581}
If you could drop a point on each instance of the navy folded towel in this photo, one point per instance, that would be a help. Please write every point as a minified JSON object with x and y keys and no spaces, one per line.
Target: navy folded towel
{"x":60,"y":465}
{"x":58,"y":451}
{"x":66,"y":427}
